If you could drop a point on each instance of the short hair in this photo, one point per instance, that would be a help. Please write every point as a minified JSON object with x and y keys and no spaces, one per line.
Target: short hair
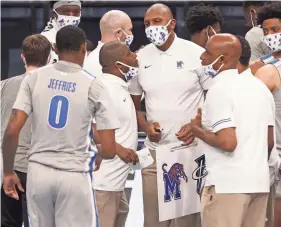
{"x":36,"y":50}
{"x":201,"y":16}
{"x":70,"y":39}
{"x":247,"y":4}
{"x":90,"y":45}
{"x":269,"y":11}
{"x":112,"y":52}
{"x":246,"y":51}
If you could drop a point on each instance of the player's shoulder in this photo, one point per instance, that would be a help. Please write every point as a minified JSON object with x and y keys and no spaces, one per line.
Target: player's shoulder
{"x":12,"y":81}
{"x":256,"y":65}
{"x":268,"y":70}
{"x":255,"y":32}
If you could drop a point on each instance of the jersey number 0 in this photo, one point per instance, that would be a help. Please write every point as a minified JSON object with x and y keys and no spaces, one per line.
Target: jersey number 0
{"x":58,"y":112}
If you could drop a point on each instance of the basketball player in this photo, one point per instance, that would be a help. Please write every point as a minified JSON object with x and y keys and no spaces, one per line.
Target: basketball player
{"x":255,"y":35}
{"x":35,"y":54}
{"x":64,"y":13}
{"x":166,"y":65}
{"x":62,"y":99}
{"x":203,"y":22}
{"x":270,"y":73}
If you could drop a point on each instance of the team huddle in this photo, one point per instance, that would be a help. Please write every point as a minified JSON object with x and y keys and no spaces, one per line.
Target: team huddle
{"x":70,"y":123}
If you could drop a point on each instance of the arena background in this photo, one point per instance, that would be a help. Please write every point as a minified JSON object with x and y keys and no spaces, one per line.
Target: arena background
{"x":22,"y":18}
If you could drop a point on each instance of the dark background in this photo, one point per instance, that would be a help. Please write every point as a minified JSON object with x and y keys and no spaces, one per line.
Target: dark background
{"x":20,"y":19}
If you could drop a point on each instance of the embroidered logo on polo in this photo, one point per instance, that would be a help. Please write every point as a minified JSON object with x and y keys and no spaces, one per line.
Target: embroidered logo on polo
{"x":180,"y":65}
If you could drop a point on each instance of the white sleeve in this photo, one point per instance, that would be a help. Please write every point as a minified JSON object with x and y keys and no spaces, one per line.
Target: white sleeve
{"x":205,"y":81}
{"x":102,"y":106}
{"x":271,"y":112}
{"x":220,"y":110}
{"x":134,"y":86}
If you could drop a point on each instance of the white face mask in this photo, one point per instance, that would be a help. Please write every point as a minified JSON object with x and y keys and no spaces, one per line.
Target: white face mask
{"x":132,"y":72}
{"x":158,"y":34}
{"x":129,"y":39}
{"x":273,"y":41}
{"x":252,"y":12}
{"x":209,"y":69}
{"x":210,"y":27}
{"x":63,"y":20}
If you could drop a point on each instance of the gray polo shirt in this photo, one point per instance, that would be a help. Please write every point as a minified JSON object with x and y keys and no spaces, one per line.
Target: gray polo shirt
{"x":9,"y":91}
{"x":258,"y":47}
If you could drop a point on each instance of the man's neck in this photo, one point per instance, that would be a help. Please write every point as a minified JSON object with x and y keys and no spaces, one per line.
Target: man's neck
{"x":276,"y":54}
{"x":168,"y":43}
{"x":30,"y":68}
{"x":115,"y":73}
{"x":70,"y":58}
{"x":198,"y":40}
{"x":107,"y":39}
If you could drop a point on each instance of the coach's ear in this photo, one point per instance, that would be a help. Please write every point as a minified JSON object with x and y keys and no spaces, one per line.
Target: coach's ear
{"x":23,"y":59}
{"x":56,"y":49}
{"x":84,"y":48}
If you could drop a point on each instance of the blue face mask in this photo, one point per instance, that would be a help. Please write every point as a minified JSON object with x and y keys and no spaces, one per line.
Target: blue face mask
{"x":209,"y":69}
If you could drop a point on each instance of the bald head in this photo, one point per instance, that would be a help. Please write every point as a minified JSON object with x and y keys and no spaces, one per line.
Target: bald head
{"x":113,"y":21}
{"x":226,"y":45}
{"x":225,"y":48}
{"x":160,"y":9}
{"x":112,"y":52}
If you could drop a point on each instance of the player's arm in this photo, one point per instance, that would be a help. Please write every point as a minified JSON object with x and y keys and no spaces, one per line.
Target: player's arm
{"x":269,"y":76}
{"x":11,"y":137}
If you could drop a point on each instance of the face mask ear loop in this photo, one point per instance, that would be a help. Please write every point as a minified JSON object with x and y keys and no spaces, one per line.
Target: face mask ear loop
{"x":251,"y":16}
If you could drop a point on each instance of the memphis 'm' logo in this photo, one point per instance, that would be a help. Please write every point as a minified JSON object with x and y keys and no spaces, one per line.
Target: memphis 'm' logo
{"x":200,"y":172}
{"x":172,"y":181}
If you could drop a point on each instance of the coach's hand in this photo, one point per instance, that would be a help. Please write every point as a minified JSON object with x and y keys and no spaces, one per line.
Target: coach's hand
{"x":124,"y":153}
{"x":152,"y":131}
{"x":134,"y":157}
{"x":11,"y":181}
{"x":185,"y":134}
{"x":98,"y":162}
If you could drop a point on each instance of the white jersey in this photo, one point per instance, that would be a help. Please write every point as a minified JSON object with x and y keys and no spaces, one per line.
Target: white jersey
{"x":50,"y":33}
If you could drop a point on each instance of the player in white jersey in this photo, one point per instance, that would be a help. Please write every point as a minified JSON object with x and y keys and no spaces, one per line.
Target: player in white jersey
{"x":203,"y":22}
{"x":64,"y":13}
{"x":63,"y":99}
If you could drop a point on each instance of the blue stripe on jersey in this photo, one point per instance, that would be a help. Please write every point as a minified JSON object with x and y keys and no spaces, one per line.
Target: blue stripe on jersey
{"x":91,"y":133}
{"x":96,"y":210}
{"x":91,"y":164}
{"x":92,"y":160}
{"x":266,"y":56}
{"x":273,"y":61}
{"x":89,"y":73}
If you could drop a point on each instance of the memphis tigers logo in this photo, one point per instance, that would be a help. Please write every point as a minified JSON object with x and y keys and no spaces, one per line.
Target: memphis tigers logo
{"x":172,"y":181}
{"x":200,"y":172}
